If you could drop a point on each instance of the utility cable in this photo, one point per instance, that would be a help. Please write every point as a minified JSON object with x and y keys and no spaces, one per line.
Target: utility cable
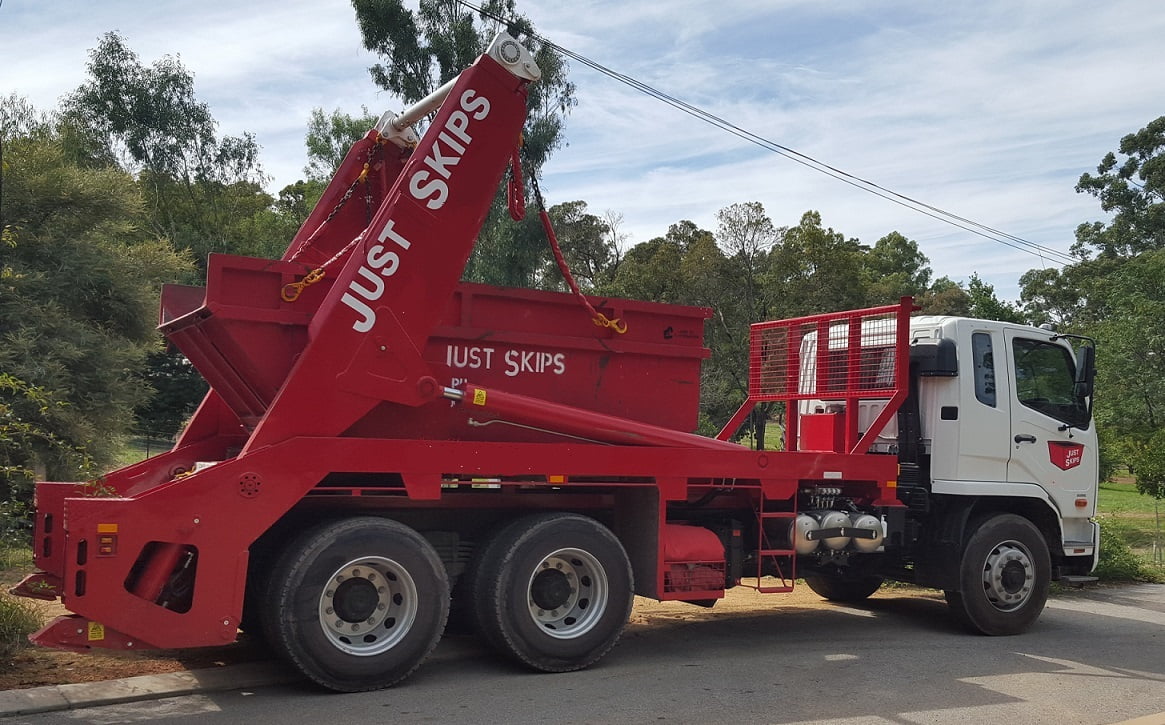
{"x":1047,"y":254}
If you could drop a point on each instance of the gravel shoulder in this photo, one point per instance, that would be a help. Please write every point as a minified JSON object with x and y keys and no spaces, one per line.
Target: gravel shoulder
{"x":39,"y":666}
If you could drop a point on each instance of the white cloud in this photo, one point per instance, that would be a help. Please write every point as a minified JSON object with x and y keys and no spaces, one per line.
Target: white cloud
{"x":990,"y":110}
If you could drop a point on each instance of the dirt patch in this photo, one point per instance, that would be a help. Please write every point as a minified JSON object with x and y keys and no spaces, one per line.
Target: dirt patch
{"x":38,"y":666}
{"x":33,"y":666}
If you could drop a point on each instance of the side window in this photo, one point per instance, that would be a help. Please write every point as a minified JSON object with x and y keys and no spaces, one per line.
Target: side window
{"x":1045,"y":378}
{"x":984,"y":368}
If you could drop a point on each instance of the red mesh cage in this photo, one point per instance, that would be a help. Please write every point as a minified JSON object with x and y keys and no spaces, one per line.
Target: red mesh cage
{"x":842,"y":357}
{"x":789,"y":360}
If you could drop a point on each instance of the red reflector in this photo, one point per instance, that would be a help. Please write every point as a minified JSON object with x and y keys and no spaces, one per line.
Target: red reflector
{"x":1078,"y":551}
{"x":106,"y":544}
{"x":1081,"y":503}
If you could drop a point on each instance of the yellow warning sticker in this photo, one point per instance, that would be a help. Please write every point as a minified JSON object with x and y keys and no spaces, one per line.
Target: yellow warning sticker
{"x":107,"y":528}
{"x":479,"y":397}
{"x":96,"y":631}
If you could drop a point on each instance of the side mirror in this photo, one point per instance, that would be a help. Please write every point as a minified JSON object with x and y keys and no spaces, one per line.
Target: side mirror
{"x":1085,"y":372}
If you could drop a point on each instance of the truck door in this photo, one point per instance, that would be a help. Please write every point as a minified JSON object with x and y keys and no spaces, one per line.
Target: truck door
{"x":1053,"y":442}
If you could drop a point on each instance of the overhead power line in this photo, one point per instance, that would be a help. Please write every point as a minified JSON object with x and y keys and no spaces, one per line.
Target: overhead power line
{"x":1047,"y":254}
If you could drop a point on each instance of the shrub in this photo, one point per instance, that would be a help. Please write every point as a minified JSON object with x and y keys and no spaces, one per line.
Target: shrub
{"x":1118,"y":563}
{"x":18,"y":619}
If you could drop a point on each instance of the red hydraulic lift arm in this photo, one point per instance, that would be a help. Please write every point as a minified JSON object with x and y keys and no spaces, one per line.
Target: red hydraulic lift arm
{"x":365,"y":340}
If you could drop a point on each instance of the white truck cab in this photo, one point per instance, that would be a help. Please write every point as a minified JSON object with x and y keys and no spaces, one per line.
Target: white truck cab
{"x":1012,"y":422}
{"x":998,"y":463}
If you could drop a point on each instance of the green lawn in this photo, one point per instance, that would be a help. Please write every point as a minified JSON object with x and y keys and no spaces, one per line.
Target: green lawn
{"x":1134,"y":516}
{"x":139,"y":448}
{"x":1121,"y":497}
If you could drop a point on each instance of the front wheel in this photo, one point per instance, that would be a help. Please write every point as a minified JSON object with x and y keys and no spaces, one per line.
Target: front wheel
{"x":553,"y":591}
{"x":1004,"y":577}
{"x":357,"y":604}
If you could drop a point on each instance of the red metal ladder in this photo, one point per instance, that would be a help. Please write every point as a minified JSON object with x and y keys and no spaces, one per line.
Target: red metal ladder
{"x":778,"y":555}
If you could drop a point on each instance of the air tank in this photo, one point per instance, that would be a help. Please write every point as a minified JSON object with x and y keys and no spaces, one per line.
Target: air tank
{"x":869,"y":523}
{"x":799,"y":531}
{"x":833,"y":520}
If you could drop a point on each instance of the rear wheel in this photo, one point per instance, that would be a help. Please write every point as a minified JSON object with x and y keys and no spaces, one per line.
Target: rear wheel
{"x":553,"y":591}
{"x":1004,"y":577}
{"x":357,"y":604}
{"x":842,"y":588}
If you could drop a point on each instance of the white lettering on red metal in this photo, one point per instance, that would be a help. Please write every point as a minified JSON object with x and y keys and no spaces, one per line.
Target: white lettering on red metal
{"x":464,"y":356}
{"x":1065,"y":455}
{"x":514,"y":362}
{"x":518,"y":362}
{"x":380,"y":263}
{"x":430,"y":184}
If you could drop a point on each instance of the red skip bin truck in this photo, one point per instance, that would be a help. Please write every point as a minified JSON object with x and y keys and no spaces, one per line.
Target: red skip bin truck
{"x":381,"y":440}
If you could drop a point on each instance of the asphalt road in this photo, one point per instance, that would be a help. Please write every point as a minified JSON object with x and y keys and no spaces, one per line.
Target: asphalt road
{"x":1094,"y":657}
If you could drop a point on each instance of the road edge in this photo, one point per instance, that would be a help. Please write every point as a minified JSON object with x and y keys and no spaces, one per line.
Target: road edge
{"x":143,"y":687}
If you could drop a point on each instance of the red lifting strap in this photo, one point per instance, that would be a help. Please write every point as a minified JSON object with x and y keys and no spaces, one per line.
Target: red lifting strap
{"x":516,"y":173}
{"x":517,"y":195}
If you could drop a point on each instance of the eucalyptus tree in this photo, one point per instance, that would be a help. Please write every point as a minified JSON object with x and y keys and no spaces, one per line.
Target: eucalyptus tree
{"x":420,"y":50}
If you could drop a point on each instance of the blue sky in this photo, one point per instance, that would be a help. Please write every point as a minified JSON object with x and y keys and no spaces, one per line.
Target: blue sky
{"x":990,"y":109}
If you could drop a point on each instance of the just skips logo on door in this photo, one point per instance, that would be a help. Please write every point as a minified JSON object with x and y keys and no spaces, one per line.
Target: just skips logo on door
{"x":428,"y":185}
{"x":1065,"y":455}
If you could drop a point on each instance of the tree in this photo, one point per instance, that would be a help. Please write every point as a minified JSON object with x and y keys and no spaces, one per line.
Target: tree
{"x":148,"y":120}
{"x":945,"y":297}
{"x":985,"y":305}
{"x":1049,"y":295}
{"x":421,"y":50}
{"x":1148,"y":462}
{"x":77,"y":299}
{"x":1133,"y":191}
{"x":894,"y":268}
{"x":816,"y":270}
{"x":653,"y":270}
{"x":1116,"y":296}
{"x":329,"y":137}
{"x":746,"y":235}
{"x":587,"y":246}
{"x":201,"y":190}
{"x":1131,"y":354}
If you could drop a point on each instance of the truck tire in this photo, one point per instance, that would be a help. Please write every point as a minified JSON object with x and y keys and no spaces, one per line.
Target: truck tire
{"x":553,"y":591}
{"x":1004,"y":576}
{"x":840,"y":588}
{"x":357,"y":604}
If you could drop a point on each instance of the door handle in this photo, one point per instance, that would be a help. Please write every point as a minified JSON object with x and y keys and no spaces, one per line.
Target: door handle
{"x":1025,"y":438}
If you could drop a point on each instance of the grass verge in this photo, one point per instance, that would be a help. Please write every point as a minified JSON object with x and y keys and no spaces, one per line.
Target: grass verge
{"x":1130,"y":538}
{"x":18,"y":619}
